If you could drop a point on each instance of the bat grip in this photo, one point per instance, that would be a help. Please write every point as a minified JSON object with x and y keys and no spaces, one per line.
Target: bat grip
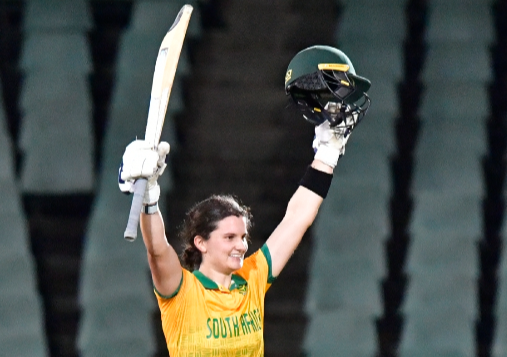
{"x":135,"y":210}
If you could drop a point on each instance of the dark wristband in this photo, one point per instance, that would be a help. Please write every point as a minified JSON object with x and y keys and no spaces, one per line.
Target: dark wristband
{"x":316,"y":181}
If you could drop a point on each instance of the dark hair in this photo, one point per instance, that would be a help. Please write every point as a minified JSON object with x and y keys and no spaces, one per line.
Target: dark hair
{"x":202,"y":219}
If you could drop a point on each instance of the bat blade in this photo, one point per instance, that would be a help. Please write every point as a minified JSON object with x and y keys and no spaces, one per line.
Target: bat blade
{"x":163,"y":78}
{"x":165,"y":70}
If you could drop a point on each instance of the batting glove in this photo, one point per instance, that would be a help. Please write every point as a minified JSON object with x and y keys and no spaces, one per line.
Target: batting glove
{"x":329,"y":143}
{"x":141,"y":161}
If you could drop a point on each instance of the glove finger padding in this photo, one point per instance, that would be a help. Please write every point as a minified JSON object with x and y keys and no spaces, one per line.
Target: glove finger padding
{"x":329,"y":143}
{"x":152,"y":193}
{"x":139,"y":160}
{"x":323,"y":132}
{"x":163,"y":149}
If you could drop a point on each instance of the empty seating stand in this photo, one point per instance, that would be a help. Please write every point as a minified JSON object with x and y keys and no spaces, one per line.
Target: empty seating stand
{"x":56,"y":135}
{"x":21,"y":314}
{"x":441,"y":305}
{"x":493,"y":324}
{"x":116,"y":292}
{"x":353,"y":221}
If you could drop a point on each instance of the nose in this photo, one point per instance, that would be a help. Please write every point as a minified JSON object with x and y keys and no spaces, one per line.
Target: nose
{"x":241,"y":245}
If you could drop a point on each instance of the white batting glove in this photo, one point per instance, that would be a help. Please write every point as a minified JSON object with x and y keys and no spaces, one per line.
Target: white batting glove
{"x":141,"y":161}
{"x":329,"y":143}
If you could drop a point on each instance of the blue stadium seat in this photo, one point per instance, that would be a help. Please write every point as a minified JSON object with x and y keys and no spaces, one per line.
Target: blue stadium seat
{"x":117,"y":326}
{"x":21,"y":312}
{"x":340,"y":332}
{"x":466,"y":21}
{"x":57,"y":127}
{"x":66,"y":15}
{"x":441,"y":300}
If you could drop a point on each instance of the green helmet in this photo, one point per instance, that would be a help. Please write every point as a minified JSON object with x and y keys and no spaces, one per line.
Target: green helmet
{"x":321,"y":74}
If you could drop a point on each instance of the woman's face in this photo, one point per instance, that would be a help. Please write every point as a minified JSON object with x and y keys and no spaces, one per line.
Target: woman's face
{"x":227,"y":245}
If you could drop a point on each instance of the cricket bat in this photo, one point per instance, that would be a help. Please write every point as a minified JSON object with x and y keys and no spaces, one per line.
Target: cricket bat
{"x":163,"y":78}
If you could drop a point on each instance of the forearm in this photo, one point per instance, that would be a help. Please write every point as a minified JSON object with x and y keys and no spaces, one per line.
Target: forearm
{"x":300,"y":215}
{"x":153,"y":231}
{"x":305,"y":203}
{"x":303,"y":207}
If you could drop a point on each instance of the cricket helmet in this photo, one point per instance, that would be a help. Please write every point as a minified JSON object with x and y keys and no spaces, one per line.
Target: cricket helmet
{"x":323,"y":83}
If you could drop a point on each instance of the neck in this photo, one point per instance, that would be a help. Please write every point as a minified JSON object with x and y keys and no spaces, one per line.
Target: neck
{"x":218,"y":277}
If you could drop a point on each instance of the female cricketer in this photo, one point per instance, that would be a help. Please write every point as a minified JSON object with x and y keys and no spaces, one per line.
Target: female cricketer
{"x":212,"y":300}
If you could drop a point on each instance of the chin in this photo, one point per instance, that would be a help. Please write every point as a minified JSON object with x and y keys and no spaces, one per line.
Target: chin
{"x":238,"y":264}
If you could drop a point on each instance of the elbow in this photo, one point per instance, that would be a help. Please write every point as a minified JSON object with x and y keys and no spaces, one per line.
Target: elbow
{"x":156,"y":251}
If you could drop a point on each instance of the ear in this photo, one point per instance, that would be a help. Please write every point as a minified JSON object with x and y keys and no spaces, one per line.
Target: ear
{"x":200,"y":243}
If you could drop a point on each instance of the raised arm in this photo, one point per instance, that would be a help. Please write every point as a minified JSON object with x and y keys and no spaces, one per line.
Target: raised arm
{"x":305,"y":203}
{"x":323,"y":84}
{"x":163,"y":260}
{"x":139,"y":160}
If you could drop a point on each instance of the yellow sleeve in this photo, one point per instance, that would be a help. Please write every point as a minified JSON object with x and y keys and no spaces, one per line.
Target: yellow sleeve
{"x":172,"y":307}
{"x":257,"y":269}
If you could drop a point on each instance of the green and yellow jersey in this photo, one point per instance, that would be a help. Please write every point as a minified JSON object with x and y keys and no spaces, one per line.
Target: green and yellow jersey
{"x":205,"y":319}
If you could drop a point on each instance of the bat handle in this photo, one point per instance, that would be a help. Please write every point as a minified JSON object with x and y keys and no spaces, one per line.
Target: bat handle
{"x":135,"y":210}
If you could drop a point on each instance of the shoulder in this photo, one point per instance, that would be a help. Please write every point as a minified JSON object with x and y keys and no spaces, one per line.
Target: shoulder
{"x":188,"y":281}
{"x":258,"y":262}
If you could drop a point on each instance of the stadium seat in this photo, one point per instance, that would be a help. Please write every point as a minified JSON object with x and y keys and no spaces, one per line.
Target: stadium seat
{"x":434,"y":288}
{"x":67,"y":15}
{"x":364,"y":165}
{"x":448,"y":161}
{"x":353,"y":286}
{"x":119,"y":325}
{"x":456,"y":61}
{"x":431,"y":251}
{"x":21,"y":311}
{"x":55,"y":53}
{"x":442,"y":263}
{"x":464,"y":21}
{"x":22,"y":328}
{"x":56,"y":106}
{"x":152,"y":16}
{"x":110,"y":276}
{"x":442,"y":332}
{"x":462,"y":101}
{"x":380,"y":59}
{"x":343,"y":331}
{"x":384,"y":32}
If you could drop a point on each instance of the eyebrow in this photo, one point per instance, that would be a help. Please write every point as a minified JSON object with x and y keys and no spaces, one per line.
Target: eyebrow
{"x":234,"y":234}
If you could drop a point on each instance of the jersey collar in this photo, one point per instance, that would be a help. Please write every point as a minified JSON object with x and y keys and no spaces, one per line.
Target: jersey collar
{"x":236,"y":283}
